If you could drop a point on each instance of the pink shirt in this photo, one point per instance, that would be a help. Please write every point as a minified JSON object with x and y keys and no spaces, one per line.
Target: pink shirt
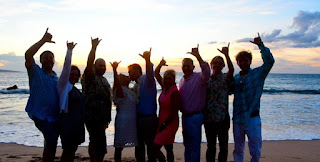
{"x":193,"y":90}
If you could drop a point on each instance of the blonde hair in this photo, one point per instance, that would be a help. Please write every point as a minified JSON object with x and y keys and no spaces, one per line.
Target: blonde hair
{"x":170,"y":72}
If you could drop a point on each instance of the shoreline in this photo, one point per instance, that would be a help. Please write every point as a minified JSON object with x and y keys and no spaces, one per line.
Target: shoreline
{"x":284,"y":150}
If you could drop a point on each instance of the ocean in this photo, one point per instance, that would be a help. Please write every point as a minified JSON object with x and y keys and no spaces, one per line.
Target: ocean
{"x":290,"y":108}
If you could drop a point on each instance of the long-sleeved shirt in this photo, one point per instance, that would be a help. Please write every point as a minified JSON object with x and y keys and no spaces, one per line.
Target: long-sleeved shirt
{"x":64,"y":86}
{"x":147,"y":99}
{"x":193,"y":90}
{"x":248,"y":89}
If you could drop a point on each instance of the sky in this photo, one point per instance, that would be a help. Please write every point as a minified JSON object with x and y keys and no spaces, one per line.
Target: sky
{"x":290,"y":28}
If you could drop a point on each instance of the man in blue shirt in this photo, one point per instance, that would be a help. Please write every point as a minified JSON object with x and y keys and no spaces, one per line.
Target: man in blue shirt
{"x":43,"y":103}
{"x":246,"y":105}
{"x":147,"y":120}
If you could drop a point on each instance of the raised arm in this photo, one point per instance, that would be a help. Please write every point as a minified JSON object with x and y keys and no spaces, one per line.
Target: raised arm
{"x":205,"y":69}
{"x":157,"y":72}
{"x":34,"y":48}
{"x":149,"y":71}
{"x":92,"y":56}
{"x":116,"y":82}
{"x":225,"y":51}
{"x":65,"y":74}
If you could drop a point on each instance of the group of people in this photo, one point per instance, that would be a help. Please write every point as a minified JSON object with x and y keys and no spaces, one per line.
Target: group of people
{"x":58,"y":108}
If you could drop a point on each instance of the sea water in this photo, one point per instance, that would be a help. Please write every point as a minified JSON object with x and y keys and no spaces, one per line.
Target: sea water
{"x":290,"y":108}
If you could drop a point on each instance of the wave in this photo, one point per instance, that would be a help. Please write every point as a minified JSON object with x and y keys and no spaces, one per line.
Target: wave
{"x":273,"y":91}
{"x":16,"y":91}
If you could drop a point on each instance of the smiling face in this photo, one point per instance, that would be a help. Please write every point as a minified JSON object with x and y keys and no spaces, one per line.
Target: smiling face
{"x":244,"y":63}
{"x":187,"y":67}
{"x":134,"y":71}
{"x":217,"y":64}
{"x":47,"y":60}
{"x":74,"y":75}
{"x":100,"y":67}
{"x":169,"y":78}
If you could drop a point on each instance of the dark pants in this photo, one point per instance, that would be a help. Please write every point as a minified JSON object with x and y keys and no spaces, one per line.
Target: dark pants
{"x":98,"y":141}
{"x":117,"y":154}
{"x":220,"y":129}
{"x":146,"y":131}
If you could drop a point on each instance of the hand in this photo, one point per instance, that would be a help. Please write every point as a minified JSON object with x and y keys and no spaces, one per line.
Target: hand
{"x":194,"y":51}
{"x":71,"y":45}
{"x":257,"y":40}
{"x":47,"y":37}
{"x":115,"y":65}
{"x":162,"y":126}
{"x":163,"y":62}
{"x":95,"y":42}
{"x":225,"y":50}
{"x":146,"y":54}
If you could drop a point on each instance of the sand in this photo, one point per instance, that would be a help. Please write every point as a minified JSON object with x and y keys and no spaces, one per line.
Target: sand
{"x":286,"y":151}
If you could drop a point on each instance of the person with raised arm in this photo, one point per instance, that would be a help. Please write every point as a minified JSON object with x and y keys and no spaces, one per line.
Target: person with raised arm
{"x":43,"y":103}
{"x":72,"y":110}
{"x":246,"y":105}
{"x":98,"y":103}
{"x":125,"y":122}
{"x":216,"y":114}
{"x":192,"y":88}
{"x":147,"y":121}
{"x":170,"y":103}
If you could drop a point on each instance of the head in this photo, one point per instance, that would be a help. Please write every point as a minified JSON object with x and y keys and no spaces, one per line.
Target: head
{"x":244,"y":59}
{"x":217,"y":64}
{"x":134,"y":71}
{"x":187,"y":66}
{"x":47,"y":60}
{"x":169,"y":78}
{"x":74,"y":75}
{"x":100,"y":67}
{"x":124,"y":80}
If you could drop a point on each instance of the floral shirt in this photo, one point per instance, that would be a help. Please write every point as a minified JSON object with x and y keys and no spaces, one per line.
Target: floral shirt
{"x":218,"y":89}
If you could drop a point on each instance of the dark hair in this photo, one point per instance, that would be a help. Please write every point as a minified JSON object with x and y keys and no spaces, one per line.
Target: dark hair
{"x":41,"y":55}
{"x":244,"y":54}
{"x":73,"y":67}
{"x":215,"y":58}
{"x":187,"y":59}
{"x":135,"y":66}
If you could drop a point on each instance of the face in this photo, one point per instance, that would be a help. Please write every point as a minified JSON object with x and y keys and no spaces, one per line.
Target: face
{"x":125,"y":80}
{"x":100,"y":67}
{"x":134,"y":73}
{"x":74,"y":76}
{"x":47,"y":61}
{"x":168,"y":81}
{"x":244,"y":63}
{"x":217,"y":65}
{"x":187,"y":67}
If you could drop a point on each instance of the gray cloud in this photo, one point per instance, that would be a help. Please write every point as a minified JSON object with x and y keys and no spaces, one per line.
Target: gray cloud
{"x":306,"y":34}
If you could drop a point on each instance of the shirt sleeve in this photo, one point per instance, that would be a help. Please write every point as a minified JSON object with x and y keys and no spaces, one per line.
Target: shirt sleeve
{"x":268,"y":60}
{"x":150,"y":76}
{"x":205,"y":72}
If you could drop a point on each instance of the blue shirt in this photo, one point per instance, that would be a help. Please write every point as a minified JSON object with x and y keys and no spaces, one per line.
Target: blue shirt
{"x":248,"y":89}
{"x":147,"y":101}
{"x":43,"y":102}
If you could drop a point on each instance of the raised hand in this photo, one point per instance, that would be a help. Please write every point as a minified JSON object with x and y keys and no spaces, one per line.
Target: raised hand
{"x":225,"y":50}
{"x":95,"y":42}
{"x":71,"y":45}
{"x":146,"y":54}
{"x":47,"y":37}
{"x":194,"y":51}
{"x":115,"y":65}
{"x":163,"y":62}
{"x":257,"y":40}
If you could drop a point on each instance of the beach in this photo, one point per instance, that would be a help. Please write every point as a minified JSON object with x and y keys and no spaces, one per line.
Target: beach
{"x":285,"y":151}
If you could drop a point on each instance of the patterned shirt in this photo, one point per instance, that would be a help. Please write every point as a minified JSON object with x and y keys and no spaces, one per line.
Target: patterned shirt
{"x":43,"y":102}
{"x":218,"y":89}
{"x":98,"y":98}
{"x":248,"y":89}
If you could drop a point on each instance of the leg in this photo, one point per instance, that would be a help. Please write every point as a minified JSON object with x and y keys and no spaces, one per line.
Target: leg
{"x":170,"y":155}
{"x":68,"y":154}
{"x":211,"y":134}
{"x":150,"y":127}
{"x":159,"y":154}
{"x":239,"y":139}
{"x":223,"y":136}
{"x":255,"y":139}
{"x":140,"y":148}
{"x":117,"y":154}
{"x":97,"y":144}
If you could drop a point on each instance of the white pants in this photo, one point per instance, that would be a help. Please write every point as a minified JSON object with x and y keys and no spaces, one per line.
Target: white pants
{"x":253,"y":131}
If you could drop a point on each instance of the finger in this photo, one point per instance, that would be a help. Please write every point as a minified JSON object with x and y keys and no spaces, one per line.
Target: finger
{"x":252,"y":42}
{"x":219,"y":50}
{"x":228,"y":45}
{"x":150,"y":49}
{"x":52,"y":42}
{"x":189,"y":52}
{"x":198,"y":46}
{"x":47,"y":29}
{"x":91,"y":39}
{"x":258,"y":34}
{"x":99,"y":40}
{"x":110,"y":64}
{"x":75,"y":44}
{"x":140,"y":55}
{"x":67,"y":42}
{"x":119,"y":62}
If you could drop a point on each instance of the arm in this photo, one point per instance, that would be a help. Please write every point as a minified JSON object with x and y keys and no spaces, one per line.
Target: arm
{"x":34,"y":48}
{"x":116,"y":82}
{"x":175,"y":101}
{"x":149,"y":71}
{"x":65,"y":74}
{"x":157,"y":72}
{"x":225,"y":51}
{"x":91,"y":57}
{"x":205,"y":69}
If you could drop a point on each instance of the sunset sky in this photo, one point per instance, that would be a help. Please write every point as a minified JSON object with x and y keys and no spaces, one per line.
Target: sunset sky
{"x":290,"y":28}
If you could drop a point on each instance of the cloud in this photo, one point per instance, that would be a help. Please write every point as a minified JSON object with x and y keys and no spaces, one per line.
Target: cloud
{"x":213,"y":42}
{"x":306,"y":34}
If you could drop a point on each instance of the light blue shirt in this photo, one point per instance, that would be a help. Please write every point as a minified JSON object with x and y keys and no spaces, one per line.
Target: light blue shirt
{"x":43,"y":102}
{"x":147,"y":101}
{"x":248,"y":89}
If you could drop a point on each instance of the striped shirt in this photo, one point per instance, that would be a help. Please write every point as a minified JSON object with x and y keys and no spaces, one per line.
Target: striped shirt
{"x":248,"y":89}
